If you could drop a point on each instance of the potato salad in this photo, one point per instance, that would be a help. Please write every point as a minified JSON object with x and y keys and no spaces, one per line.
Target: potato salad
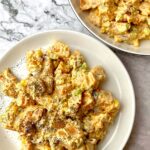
{"x":124,"y":20}
{"x":61,"y":104}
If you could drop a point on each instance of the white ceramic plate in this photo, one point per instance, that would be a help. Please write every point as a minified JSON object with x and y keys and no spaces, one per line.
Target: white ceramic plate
{"x":143,"y":49}
{"x":96,"y":53}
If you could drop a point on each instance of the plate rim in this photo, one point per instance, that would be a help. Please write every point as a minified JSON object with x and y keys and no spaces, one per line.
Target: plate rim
{"x":101,"y":39}
{"x":96,"y":40}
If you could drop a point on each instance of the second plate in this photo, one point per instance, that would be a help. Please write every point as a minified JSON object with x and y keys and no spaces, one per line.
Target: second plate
{"x":143,"y":49}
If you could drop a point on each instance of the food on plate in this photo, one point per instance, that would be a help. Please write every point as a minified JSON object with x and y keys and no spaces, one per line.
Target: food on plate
{"x":60,"y":104}
{"x":124,"y":20}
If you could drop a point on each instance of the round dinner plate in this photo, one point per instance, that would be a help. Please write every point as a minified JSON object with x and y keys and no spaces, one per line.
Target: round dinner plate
{"x":143,"y":49}
{"x":96,"y":53}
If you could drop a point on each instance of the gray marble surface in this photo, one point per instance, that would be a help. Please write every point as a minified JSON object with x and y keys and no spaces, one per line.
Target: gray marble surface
{"x":20,"y":18}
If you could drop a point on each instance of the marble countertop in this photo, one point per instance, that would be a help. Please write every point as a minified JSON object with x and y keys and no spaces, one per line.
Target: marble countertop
{"x":20,"y":18}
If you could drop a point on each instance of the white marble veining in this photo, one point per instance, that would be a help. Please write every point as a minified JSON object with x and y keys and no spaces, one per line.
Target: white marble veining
{"x":20,"y":18}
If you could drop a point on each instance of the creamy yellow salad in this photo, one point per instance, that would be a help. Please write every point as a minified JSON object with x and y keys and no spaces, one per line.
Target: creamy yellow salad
{"x":124,"y":20}
{"x":60,"y":105}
